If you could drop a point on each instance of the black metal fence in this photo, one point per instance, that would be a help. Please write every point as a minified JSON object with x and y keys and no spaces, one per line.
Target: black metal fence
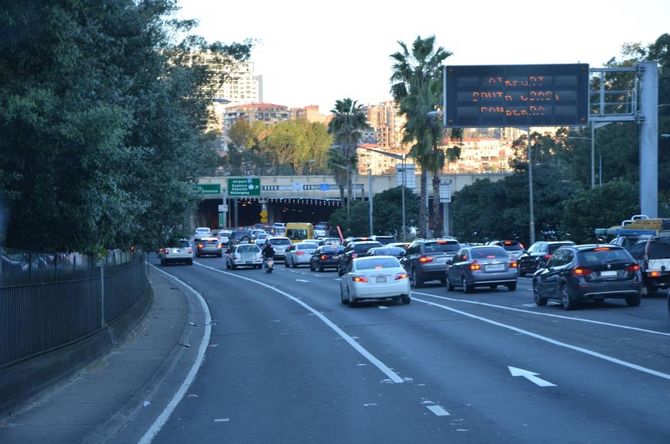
{"x":50,"y":300}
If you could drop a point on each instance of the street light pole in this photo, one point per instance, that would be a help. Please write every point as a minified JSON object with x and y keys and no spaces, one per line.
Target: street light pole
{"x":404,"y":228}
{"x":370,"y":199}
{"x":593,"y":157}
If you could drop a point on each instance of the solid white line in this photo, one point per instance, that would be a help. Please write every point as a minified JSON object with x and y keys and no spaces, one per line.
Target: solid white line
{"x":439,"y":411}
{"x":382,"y":307}
{"x":190,"y":377}
{"x":359,"y":348}
{"x":588,"y":321}
{"x":551,"y":341}
{"x":302,"y":280}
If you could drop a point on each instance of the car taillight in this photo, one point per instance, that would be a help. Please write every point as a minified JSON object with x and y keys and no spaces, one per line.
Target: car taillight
{"x":189,"y":250}
{"x":581,"y":271}
{"x":475,"y":266}
{"x":200,"y":245}
{"x":401,"y":276}
{"x":166,"y":250}
{"x":633,"y":268}
{"x":425,"y":259}
{"x":299,"y":253}
{"x":360,"y":279}
{"x":324,"y":257}
{"x":513,"y":264}
{"x":654,"y":274}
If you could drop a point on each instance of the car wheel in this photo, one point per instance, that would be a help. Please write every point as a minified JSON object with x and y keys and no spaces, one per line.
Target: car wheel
{"x":339,"y":271}
{"x":352,"y":301}
{"x":492,"y":287}
{"x":450,"y":286}
{"x":415,"y":280}
{"x":466,"y":287}
{"x":406,"y":299}
{"x":286,"y":264}
{"x":633,"y":301}
{"x":539,"y":301}
{"x":321,"y":268}
{"x":344,"y":300}
{"x":163,"y":262}
{"x":227,"y":265}
{"x":512,"y":286}
{"x":233,"y":266}
{"x":190,"y":261}
{"x":566,"y":299}
{"x":311,"y":267}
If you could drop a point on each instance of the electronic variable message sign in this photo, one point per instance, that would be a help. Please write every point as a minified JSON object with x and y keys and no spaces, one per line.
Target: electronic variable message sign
{"x":516,"y":95}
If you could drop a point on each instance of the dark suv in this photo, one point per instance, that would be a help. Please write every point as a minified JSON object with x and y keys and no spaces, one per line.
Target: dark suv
{"x":538,"y":254}
{"x":588,"y":272}
{"x":426,"y":259}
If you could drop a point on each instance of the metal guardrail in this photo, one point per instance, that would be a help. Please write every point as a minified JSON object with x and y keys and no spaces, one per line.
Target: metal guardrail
{"x":51,"y":300}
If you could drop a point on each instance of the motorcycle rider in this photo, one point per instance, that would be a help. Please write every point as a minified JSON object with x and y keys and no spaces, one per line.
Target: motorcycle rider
{"x":268,"y":252}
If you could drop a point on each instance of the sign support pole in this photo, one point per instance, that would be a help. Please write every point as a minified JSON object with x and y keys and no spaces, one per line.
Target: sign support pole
{"x":530,"y":191}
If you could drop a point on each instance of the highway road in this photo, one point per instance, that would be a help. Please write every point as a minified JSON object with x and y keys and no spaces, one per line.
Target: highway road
{"x":286,"y":362}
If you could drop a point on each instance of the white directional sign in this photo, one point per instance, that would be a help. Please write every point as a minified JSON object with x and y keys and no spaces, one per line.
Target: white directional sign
{"x":532,"y":377}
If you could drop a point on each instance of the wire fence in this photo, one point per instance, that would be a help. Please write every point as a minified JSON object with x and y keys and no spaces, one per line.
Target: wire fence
{"x":51,"y":300}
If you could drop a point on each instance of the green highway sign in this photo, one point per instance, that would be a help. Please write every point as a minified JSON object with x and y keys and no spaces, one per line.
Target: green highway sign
{"x":244,"y":186}
{"x":207,"y":188}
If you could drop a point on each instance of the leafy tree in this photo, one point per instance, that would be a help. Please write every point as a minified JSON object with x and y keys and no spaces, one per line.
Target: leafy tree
{"x":416,"y":88}
{"x":349,"y":119}
{"x":104,"y":120}
{"x":615,"y":201}
{"x":387,"y":210}
{"x":356,"y":223}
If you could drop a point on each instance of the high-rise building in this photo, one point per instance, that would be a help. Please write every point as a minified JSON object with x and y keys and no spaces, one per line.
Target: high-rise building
{"x":387,"y":125}
{"x":243,"y":87}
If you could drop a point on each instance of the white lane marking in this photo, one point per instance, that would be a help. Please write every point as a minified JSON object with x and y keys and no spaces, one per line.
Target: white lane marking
{"x":552,"y":341}
{"x":531,"y":376}
{"x":222,"y":420}
{"x":190,"y":377}
{"x":356,"y":346}
{"x":439,"y":411}
{"x":382,"y":307}
{"x":588,"y":321}
{"x":302,"y":280}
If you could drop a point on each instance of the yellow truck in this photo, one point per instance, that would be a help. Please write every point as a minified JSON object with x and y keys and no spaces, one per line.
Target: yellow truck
{"x":299,"y":231}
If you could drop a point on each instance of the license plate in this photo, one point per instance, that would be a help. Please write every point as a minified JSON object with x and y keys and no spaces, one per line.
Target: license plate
{"x":608,"y":273}
{"x":381,"y":279}
{"x":495,"y":267}
{"x":440,"y":260}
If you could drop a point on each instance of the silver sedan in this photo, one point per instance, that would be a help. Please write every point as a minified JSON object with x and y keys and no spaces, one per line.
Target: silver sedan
{"x":481,"y":266}
{"x":375,"y":277}
{"x":300,"y":254}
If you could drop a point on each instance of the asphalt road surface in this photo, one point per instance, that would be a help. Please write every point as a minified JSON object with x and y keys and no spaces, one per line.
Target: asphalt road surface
{"x":288,"y":363}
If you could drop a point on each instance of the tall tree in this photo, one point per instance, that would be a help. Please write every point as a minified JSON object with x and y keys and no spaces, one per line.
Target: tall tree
{"x":348,"y":121}
{"x":416,"y":87}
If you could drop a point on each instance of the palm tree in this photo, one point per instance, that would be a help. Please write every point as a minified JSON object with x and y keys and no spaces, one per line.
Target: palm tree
{"x":416,"y":86}
{"x":335,"y":163}
{"x":346,"y":126}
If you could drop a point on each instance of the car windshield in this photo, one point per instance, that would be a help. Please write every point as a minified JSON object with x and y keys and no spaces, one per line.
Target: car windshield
{"x":442,"y":247}
{"x":247,"y":249}
{"x":488,"y":253}
{"x":659,"y":249}
{"x":296,"y":233}
{"x":307,"y":246}
{"x":180,"y":244}
{"x":390,"y":251}
{"x":330,"y":249}
{"x":512,"y":246}
{"x":372,"y":264}
{"x":280,"y":242}
{"x":210,"y":242}
{"x":363,"y":247}
{"x":553,"y":247}
{"x":604,"y":256}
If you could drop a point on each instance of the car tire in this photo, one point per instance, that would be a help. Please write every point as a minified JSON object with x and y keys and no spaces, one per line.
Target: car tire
{"x":321,"y":268}
{"x":286,"y":264}
{"x":522,"y":273}
{"x":352,"y":301}
{"x":415,"y":281}
{"x":566,"y":298}
{"x":406,"y":299}
{"x":294,"y":264}
{"x":539,"y":301}
{"x":450,"y":286}
{"x":344,"y":300}
{"x":189,"y":262}
{"x":311,"y":267}
{"x":466,"y":287}
{"x":339,"y":271}
{"x":227,"y":265}
{"x":511,"y":286}
{"x":633,"y":301}
{"x":233,"y":266}
{"x":492,"y":287}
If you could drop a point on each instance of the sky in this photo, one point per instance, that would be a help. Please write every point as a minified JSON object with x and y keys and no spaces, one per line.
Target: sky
{"x":316,"y":52}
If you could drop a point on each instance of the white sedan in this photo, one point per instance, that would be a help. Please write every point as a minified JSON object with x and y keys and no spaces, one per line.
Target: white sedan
{"x":300,"y":254}
{"x":244,"y":255}
{"x":375,"y":277}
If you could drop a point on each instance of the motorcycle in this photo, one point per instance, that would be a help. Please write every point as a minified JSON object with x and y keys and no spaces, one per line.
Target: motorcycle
{"x":268,"y":265}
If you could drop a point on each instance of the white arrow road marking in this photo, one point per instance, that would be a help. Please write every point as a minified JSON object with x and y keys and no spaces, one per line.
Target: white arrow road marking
{"x":532,"y":377}
{"x":382,"y":307}
{"x":302,"y":280}
{"x":439,"y":411}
